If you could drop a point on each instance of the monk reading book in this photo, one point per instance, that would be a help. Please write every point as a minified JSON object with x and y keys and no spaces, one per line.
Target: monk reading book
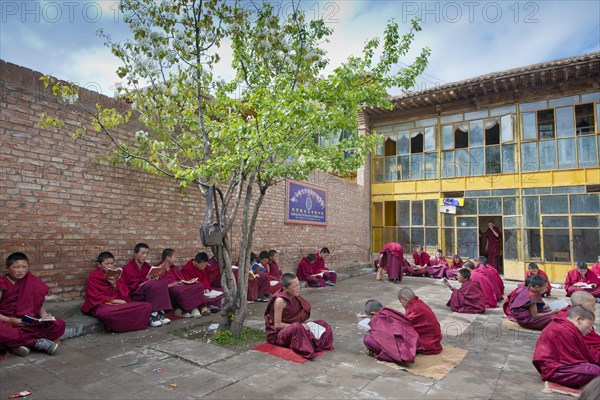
{"x":420,"y":262}
{"x":196,"y":269}
{"x":581,"y":278}
{"x":489,"y":290}
{"x":185,"y":295}
{"x":561,"y":354}
{"x":533,"y":269}
{"x":437,"y":265}
{"x":310,"y":272}
{"x":274,"y":269}
{"x":455,"y":265}
{"x":527,"y":307}
{"x":423,"y":320}
{"x":596,"y":268}
{"x":587,"y":301}
{"x":286,"y":318}
{"x":22,"y":293}
{"x":492,"y":275}
{"x":469,"y":298}
{"x":107,"y":298}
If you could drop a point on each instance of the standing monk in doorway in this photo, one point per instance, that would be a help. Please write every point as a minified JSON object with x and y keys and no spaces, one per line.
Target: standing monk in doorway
{"x":494,"y":235}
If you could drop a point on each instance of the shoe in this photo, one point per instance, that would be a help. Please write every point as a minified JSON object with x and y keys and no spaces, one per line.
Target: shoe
{"x":154,"y":320}
{"x":196,"y":313}
{"x":20,"y":351}
{"x":187,"y":315}
{"x":205,"y":311}
{"x":329,"y":283}
{"x":214,"y":309}
{"x":262,"y":298}
{"x":178,"y":312}
{"x":163,"y":319}
{"x":388,"y":280}
{"x":46,"y":345}
{"x":369,"y":352}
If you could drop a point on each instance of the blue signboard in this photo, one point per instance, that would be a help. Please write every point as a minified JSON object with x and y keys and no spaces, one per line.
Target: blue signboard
{"x":306,"y":204}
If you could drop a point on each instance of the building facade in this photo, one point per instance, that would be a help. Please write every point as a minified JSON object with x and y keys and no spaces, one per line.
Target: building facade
{"x":520,"y":148}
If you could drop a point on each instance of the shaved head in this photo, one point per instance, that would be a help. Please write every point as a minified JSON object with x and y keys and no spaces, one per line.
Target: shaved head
{"x":584,"y":299}
{"x":406,"y":294}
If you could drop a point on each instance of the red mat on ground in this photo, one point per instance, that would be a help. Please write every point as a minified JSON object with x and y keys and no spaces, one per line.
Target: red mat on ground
{"x":551,"y":387}
{"x":283,"y":352}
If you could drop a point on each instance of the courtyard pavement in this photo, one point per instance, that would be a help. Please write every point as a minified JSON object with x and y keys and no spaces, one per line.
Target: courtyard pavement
{"x":99,"y":365}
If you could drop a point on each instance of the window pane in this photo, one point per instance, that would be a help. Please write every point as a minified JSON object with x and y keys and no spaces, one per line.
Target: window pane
{"x":448,"y":164}
{"x":556,"y":245}
{"x":508,"y":158}
{"x":555,"y":205}
{"x":566,"y":154}
{"x":584,"y":119}
{"x":430,"y":138}
{"x":467,"y":242}
{"x":509,"y":206}
{"x":585,"y":204}
{"x":565,"y":122}
{"x":403,"y":237}
{"x":555,"y":222}
{"x":431,"y":166}
{"x":389,"y":235}
{"x":533,"y":248}
{"x":512,"y":222}
{"x":403,"y":168}
{"x":390,"y":145}
{"x":507,"y":128}
{"x":447,"y":142}
{"x":417,"y":213}
{"x":492,"y":160}
{"x":449,"y":241}
{"x":378,"y":169}
{"x":466,"y":222}
{"x":512,"y":241}
{"x":431,"y":237}
{"x":377,"y":214}
{"x":377,"y":238}
{"x":586,"y":222}
{"x":403,"y":145}
{"x":529,"y":157}
{"x":545,"y":124}
{"x":585,"y":244}
{"x":416,"y":166}
{"x":461,"y":162}
{"x":431,"y":213}
{"x":417,"y":237}
{"x":469,"y":208}
{"x":403,"y":213}
{"x":476,"y":133}
{"x":379,"y":147}
{"x":448,"y":220}
{"x":598,"y":120}
{"x":528,"y":121}
{"x":547,"y":155}
{"x":586,"y":151}
{"x":390,"y":168}
{"x":476,"y":162}
{"x":389,"y":213}
{"x":490,"y":206}
{"x":531,"y":211}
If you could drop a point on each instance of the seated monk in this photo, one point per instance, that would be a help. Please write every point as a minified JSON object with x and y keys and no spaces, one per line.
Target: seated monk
{"x":320,"y":258}
{"x":213,"y":273}
{"x":493,"y":276}
{"x":596,"y":268}
{"x":513,"y":294}
{"x":286,"y":320}
{"x":579,"y":278}
{"x":390,"y":261}
{"x":189,"y":298}
{"x":107,"y":299}
{"x":196,"y":268}
{"x":265,"y":261}
{"x":260,"y":272}
{"x":146,"y":286}
{"x":21,"y":294}
{"x":533,"y":269}
{"x":392,"y":337}
{"x":469,"y":298}
{"x":309,"y":272}
{"x":587,"y":301}
{"x":437,"y":265}
{"x":455,"y":265}
{"x":489,"y":291}
{"x":423,"y":320}
{"x":527,"y":307}
{"x":420,"y":262}
{"x":274,"y":270}
{"x":561,"y":354}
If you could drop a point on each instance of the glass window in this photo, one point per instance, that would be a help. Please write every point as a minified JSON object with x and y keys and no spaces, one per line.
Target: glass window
{"x":430,"y":138}
{"x":377,"y":238}
{"x":447,"y":142}
{"x":431,"y":213}
{"x":565,"y":122}
{"x":492,"y":160}
{"x":509,"y":206}
{"x":416,"y":141}
{"x":507,"y":128}
{"x":469,"y":207}
{"x":555,"y":205}
{"x":528,"y":123}
{"x":477,"y":193}
{"x":584,"y":119}
{"x":403,"y":145}
{"x":545,"y":124}
{"x":426,"y":122}
{"x":568,"y":189}
{"x":390,"y":145}
{"x":590,"y":97}
{"x":417,"y":213}
{"x":431,"y":237}
{"x":547,"y":155}
{"x":476,"y":115}
{"x":490,"y":206}
{"x":403,"y":168}
{"x":586,"y":152}
{"x":557,"y":245}
{"x":531,"y":211}
{"x":585,"y":204}
{"x":585,"y":244}
{"x":512,"y":240}
{"x":533,"y":247}
{"x":508,"y":158}
{"x":467,"y":242}
{"x":476,"y":161}
{"x":461,"y":162}
{"x":587,"y":221}
{"x":537,"y":191}
{"x":566,"y":154}
{"x":534,"y":105}
{"x":389,"y":235}
{"x":555,"y":222}
{"x":403,"y":213}
{"x":449,"y":241}
{"x":461,"y":136}
{"x":389,"y":213}
{"x":529,"y":157}
{"x":492,"y":131}
{"x":448,"y":220}
{"x":417,"y":237}
{"x":563,"y":101}
{"x":416,"y":166}
{"x":476,"y":133}
{"x":512,"y":222}
{"x":379,"y":147}
{"x":466,"y":222}
{"x":431,"y":166}
{"x":598,"y":119}
{"x":403,"y":235}
{"x":504,"y":192}
{"x":390,"y":168}
{"x":377,"y":214}
{"x":451,"y":118}
{"x":495,"y":112}
{"x":378,"y":169}
{"x":448,"y":164}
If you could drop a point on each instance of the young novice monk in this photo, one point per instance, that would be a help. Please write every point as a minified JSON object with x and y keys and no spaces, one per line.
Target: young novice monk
{"x":187,"y":297}
{"x":527,"y":307}
{"x":437,"y":265}
{"x":21,"y":293}
{"x":469,"y":297}
{"x":533,"y":269}
{"x":309,"y":272}
{"x":196,"y":268}
{"x":286,"y":320}
{"x":420,"y":262}
{"x":579,"y":278}
{"x":107,"y":298}
{"x":561,"y":354}
{"x":423,"y":320}
{"x":455,"y":265}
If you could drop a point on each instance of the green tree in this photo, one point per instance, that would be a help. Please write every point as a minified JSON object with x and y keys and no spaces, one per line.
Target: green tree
{"x":245,"y":135}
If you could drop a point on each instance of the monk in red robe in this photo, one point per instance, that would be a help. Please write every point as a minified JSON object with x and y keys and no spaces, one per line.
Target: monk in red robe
{"x":274,"y":269}
{"x":144,"y":285}
{"x":423,"y":320}
{"x":587,"y":301}
{"x":581,"y":278}
{"x":494,"y":236}
{"x":596,"y":268}
{"x":196,"y":269}
{"x":185,"y":295}
{"x":260,"y":272}
{"x":420,"y":262}
{"x":533,"y":269}
{"x":469,"y":298}
{"x":527,"y":307}
{"x":489,"y":292}
{"x":286,"y":321}
{"x":561,"y":354}
{"x":437,"y":265}
{"x":107,"y":298}
{"x":23,"y":294}
{"x":511,"y":296}
{"x":493,"y":276}
{"x":392,"y":337}
{"x":320,"y":259}
{"x":213,"y":273}
{"x":390,"y":260}
{"x":455,"y":265}
{"x":310,"y":272}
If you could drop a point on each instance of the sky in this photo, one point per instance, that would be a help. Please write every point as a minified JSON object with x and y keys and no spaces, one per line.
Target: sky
{"x":467,"y":38}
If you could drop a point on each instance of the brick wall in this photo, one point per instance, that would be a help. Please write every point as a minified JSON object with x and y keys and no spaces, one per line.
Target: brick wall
{"x":62,"y":207}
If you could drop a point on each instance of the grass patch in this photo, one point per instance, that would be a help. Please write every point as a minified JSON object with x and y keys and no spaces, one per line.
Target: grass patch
{"x":248,"y":337}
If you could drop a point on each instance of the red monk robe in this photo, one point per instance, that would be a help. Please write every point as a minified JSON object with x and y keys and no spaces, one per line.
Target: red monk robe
{"x":306,"y":269}
{"x":468,"y":299}
{"x":132,"y":316}
{"x":437,"y":267}
{"x":493,"y":245}
{"x":573,"y":276}
{"x":25,"y":297}
{"x":295,"y":336}
{"x":562,"y":356}
{"x":213,"y":273}
{"x":596,"y":268}
{"x":319,"y":267}
{"x":542,"y":273}
{"x":274,"y":270}
{"x":153,"y":291}
{"x":420,"y":260}
{"x":592,"y":338}
{"x":452,"y":271}
{"x":426,"y":324}
{"x":520,"y":312}
{"x":510,"y":298}
{"x":494,"y":278}
{"x":489,"y":292}
{"x":392,"y":337}
{"x":392,"y":255}
{"x":186,"y":297}
{"x":189,"y":271}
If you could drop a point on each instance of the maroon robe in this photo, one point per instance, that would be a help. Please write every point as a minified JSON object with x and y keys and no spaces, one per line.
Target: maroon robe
{"x":186,"y":297}
{"x":434,"y":270}
{"x":468,"y":299}
{"x":421,"y":260}
{"x":393,"y":254}
{"x":573,"y":276}
{"x":213,"y":273}
{"x":542,"y":273}
{"x":426,"y":324}
{"x":510,"y":298}
{"x":392,"y":337}
{"x":154,"y":291}
{"x":306,"y":270}
{"x":118,"y":318}
{"x":562,"y":356}
{"x":488,"y":288}
{"x":452,"y":271}
{"x":25,"y":297}
{"x":596,"y":269}
{"x":295,"y":336}
{"x":520,"y":313}
{"x":592,"y":338}
{"x":189,"y":271}
{"x":493,"y":246}
{"x":494,"y":278}
{"x":274,"y":275}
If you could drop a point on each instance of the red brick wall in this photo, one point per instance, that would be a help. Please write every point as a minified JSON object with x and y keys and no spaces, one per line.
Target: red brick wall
{"x":61,"y":207}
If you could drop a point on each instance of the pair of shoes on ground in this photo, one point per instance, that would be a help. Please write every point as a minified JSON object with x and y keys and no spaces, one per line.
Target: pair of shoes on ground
{"x":158,"y":318}
{"x":263,"y":298}
{"x":329,"y":283}
{"x":391,"y":280}
{"x":195,"y":313}
{"x":45,"y":345}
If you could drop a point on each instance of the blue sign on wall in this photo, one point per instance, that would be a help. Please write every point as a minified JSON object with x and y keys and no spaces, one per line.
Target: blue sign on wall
{"x":306,"y":204}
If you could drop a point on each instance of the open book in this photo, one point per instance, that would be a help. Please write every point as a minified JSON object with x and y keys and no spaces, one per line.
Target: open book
{"x":113,"y":272}
{"x":316,"y":329}
{"x":587,"y":286}
{"x":273,"y":283}
{"x":446,"y":282}
{"x":189,"y":282}
{"x":364,"y":325}
{"x":558,"y":304}
{"x":213,"y":294}
{"x":155,"y":272}
{"x":28,"y":319}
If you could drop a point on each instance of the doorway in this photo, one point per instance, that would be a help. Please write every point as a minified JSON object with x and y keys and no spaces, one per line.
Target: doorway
{"x":483,"y":240}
